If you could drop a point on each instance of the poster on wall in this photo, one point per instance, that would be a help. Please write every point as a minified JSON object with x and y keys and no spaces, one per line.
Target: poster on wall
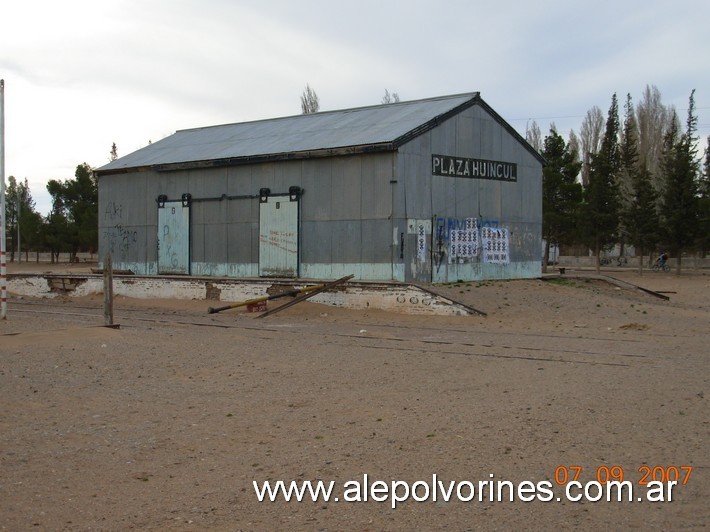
{"x":421,"y":242}
{"x":495,"y":243}
{"x":463,"y":242}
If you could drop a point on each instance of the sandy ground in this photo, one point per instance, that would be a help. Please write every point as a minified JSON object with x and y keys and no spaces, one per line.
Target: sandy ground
{"x":166,"y":422}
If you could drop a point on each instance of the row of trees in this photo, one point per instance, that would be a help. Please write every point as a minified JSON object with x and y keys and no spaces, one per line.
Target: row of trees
{"x":70,"y":227}
{"x":639,"y":182}
{"x":310,"y":103}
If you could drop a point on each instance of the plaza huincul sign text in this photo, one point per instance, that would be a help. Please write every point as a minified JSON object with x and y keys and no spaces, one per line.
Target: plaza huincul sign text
{"x":445,"y":165}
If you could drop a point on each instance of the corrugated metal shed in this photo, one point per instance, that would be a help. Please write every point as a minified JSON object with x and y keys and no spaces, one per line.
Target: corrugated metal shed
{"x":329,"y":194}
{"x":381,"y":127}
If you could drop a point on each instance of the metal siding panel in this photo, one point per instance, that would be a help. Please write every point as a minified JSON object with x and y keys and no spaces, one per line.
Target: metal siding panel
{"x":198,"y":210}
{"x":316,"y":241}
{"x":399,"y":189}
{"x":465,"y":136}
{"x":347,"y":188}
{"x":443,"y":138}
{"x":415,"y":178}
{"x":173,"y":184}
{"x":466,"y":192}
{"x":377,"y":240}
{"x":376,"y":195}
{"x":239,"y":243}
{"x":512,"y":204}
{"x":346,"y":241}
{"x":215,"y":212}
{"x":487,"y":141}
{"x":239,"y":181}
{"x":215,"y":243}
{"x":197,"y":243}
{"x":317,"y":179}
{"x":443,"y":196}
{"x":242,"y":211}
{"x":510,"y":149}
{"x":263,"y":176}
{"x":287,"y":174}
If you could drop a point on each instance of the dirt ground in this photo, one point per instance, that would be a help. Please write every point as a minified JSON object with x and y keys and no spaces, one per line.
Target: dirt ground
{"x":166,"y":422}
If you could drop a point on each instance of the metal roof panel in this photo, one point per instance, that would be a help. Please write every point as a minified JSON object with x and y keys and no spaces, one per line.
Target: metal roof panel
{"x":364,"y":126}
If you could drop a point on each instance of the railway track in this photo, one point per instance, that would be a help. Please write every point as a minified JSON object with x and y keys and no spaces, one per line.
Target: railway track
{"x":390,"y":337}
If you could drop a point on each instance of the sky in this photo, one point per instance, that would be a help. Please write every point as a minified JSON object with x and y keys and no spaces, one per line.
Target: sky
{"x":81,"y":75}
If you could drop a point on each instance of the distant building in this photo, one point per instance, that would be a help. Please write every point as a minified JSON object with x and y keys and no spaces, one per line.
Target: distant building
{"x":434,"y":190}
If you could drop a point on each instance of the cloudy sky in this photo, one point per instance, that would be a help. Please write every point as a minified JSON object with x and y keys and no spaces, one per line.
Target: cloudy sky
{"x":81,"y":75}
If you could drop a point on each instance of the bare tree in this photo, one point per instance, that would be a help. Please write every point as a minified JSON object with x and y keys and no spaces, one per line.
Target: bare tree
{"x":390,"y":98}
{"x":534,"y":136}
{"x":309,"y":101}
{"x":114,"y":153}
{"x":591,"y":139}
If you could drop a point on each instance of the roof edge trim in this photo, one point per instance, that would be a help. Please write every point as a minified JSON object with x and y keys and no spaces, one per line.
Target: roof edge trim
{"x":252,"y":159}
{"x":431,"y":124}
{"x":475,"y":100}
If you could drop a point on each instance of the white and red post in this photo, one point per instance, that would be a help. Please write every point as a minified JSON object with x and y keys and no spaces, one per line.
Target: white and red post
{"x":3,"y":247}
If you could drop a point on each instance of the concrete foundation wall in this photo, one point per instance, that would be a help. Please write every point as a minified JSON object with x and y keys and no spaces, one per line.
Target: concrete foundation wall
{"x":402,"y":298}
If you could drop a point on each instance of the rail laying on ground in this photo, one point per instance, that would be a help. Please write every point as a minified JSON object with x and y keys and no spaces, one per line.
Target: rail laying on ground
{"x":609,"y":279}
{"x":390,"y":296}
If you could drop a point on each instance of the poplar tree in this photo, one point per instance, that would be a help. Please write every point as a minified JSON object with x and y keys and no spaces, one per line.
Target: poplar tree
{"x":654,"y":120}
{"x":390,"y":97}
{"x":309,"y":101}
{"x":561,"y":194}
{"x":680,"y":169}
{"x":601,"y":201}
{"x":590,"y":136}
{"x":534,"y":136}
{"x":638,"y":200}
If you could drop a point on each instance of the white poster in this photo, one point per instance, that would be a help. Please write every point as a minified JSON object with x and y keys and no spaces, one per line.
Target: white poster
{"x":421,"y":242}
{"x":463,"y":242}
{"x":496,"y":245}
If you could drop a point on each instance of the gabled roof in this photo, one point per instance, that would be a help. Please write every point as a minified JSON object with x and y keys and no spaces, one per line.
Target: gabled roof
{"x":364,"y":129}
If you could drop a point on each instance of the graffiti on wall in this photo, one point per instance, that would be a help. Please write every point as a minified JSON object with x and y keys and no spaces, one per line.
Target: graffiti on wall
{"x":113,"y":211}
{"x":118,"y":238}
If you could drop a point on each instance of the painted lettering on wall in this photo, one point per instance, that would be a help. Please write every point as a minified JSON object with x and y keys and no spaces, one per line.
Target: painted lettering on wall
{"x":119,"y":238}
{"x":283,"y":240}
{"x":113,"y":211}
{"x":445,"y":165}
